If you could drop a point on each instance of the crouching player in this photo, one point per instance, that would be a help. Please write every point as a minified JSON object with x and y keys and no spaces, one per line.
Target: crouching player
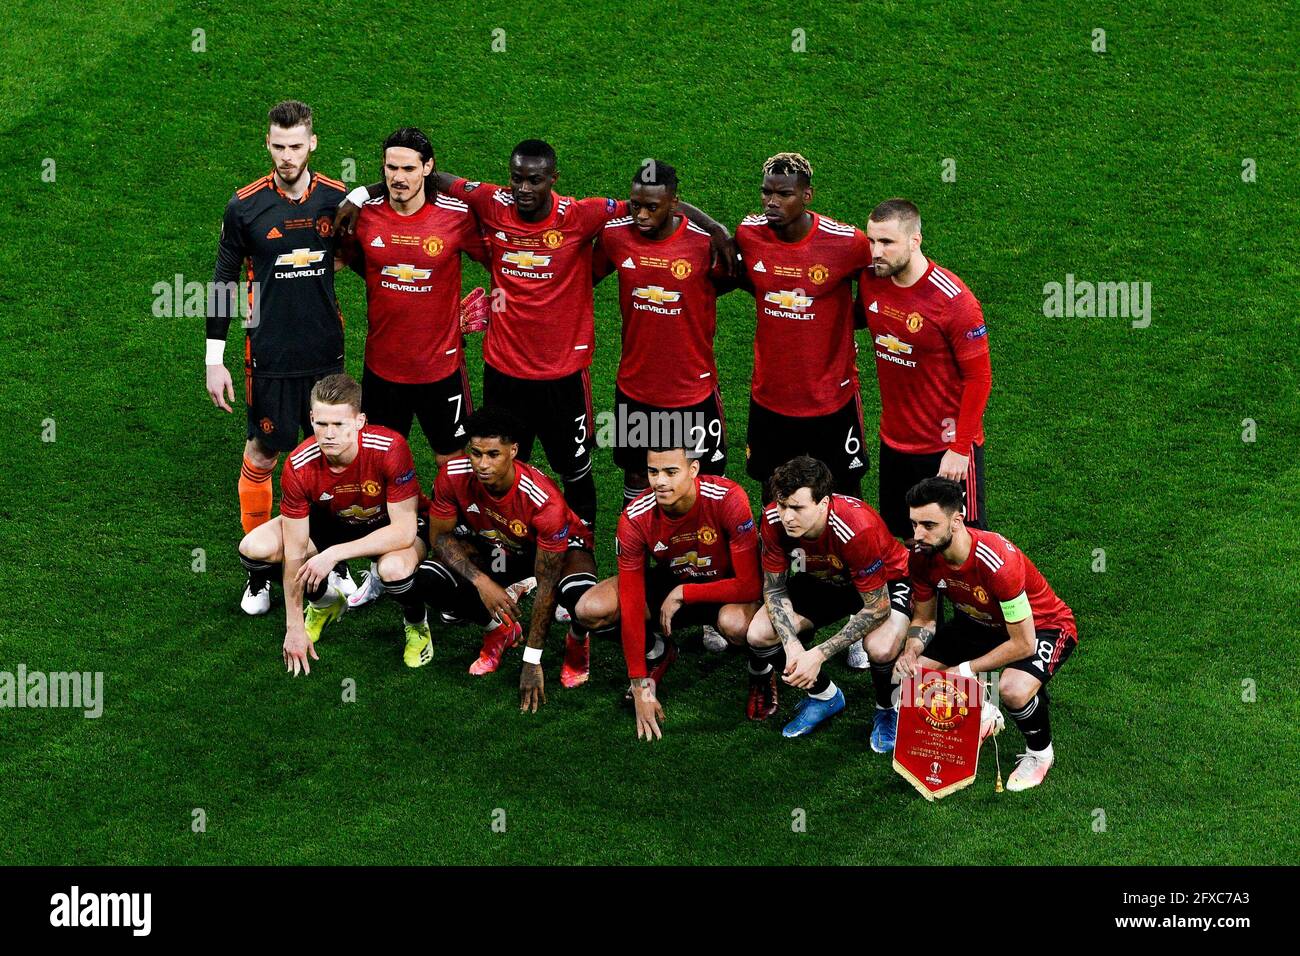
{"x":519,"y":527}
{"x":1008,"y":617}
{"x":349,"y":492}
{"x":826,"y":556}
{"x":699,"y":536}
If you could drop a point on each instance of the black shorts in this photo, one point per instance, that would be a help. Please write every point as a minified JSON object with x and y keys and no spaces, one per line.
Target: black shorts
{"x":824,"y":602}
{"x":557,"y":411}
{"x":836,"y":439}
{"x":502,"y":566}
{"x":964,"y":639}
{"x":280,"y":408}
{"x":700,"y":427}
{"x":659,"y":582}
{"x":325,"y":530}
{"x":900,"y":470}
{"x":441,"y":407}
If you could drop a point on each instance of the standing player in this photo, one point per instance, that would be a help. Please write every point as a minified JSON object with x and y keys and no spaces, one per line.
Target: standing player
{"x":826,"y":556}
{"x":277,"y":232}
{"x":667,"y":293}
{"x":349,"y":492}
{"x":1008,"y":617}
{"x":539,"y":347}
{"x":932,"y":362}
{"x":800,"y":266}
{"x":519,"y":526}
{"x":408,"y":248}
{"x":699,"y":534}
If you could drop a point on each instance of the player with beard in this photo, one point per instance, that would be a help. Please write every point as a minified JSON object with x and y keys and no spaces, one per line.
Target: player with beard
{"x":408,"y":248}
{"x":825,"y":557}
{"x":1008,"y":617}
{"x":932,"y":363}
{"x":539,"y":345}
{"x":516,"y":525}
{"x":687,"y":554}
{"x":277,"y":233}
{"x":800,"y":267}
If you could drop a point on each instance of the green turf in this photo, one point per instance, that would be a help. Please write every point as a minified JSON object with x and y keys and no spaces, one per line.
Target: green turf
{"x":1122,"y":166}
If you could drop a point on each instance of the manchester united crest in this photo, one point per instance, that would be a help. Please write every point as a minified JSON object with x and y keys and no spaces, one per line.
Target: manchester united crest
{"x":432,"y":245}
{"x":680,"y":268}
{"x":707,"y":535}
{"x":553,"y":238}
{"x":915,"y":321}
{"x":268,"y":425}
{"x":818,"y":273}
{"x":370,"y":487}
{"x":943,"y":704}
{"x":518,"y":528}
{"x":980,"y":595}
{"x":325,"y":226}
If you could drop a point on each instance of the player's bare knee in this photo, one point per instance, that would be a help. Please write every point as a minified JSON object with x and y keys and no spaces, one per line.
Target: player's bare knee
{"x":260,"y":455}
{"x":733,"y":623}
{"x":396,"y":565}
{"x":760,"y":632}
{"x":595,"y":610}
{"x":1016,"y":690}
{"x":263,"y":543}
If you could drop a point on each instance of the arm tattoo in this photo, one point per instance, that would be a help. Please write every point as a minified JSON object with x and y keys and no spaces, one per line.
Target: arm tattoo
{"x":457,"y":556}
{"x":779,"y":609}
{"x":922,"y":634}
{"x":547,"y":570}
{"x":875,"y":611}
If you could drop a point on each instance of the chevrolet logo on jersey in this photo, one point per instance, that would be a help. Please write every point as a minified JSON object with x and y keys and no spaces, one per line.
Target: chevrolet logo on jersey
{"x":788,"y":300}
{"x":358,"y":513}
{"x":526,"y":260}
{"x":656,"y":294}
{"x":299,"y":258}
{"x":893,"y":344}
{"x":406,"y":273}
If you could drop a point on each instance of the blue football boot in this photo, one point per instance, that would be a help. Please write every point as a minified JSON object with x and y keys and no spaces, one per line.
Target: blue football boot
{"x":811,"y":713}
{"x":884,"y":730}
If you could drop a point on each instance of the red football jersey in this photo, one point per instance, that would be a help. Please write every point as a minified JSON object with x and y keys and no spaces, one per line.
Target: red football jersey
{"x":411,"y":266}
{"x":382,"y":473}
{"x":545,"y":330}
{"x":855,"y":546}
{"x":669,"y":306}
{"x":532,"y":514}
{"x":805,"y":358}
{"x":697,"y":546}
{"x":994,"y":571}
{"x":919,"y":335}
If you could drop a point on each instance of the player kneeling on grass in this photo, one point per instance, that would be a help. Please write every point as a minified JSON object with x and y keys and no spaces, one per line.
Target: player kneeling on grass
{"x":350,"y":492}
{"x":1007,"y":616}
{"x":826,"y":556}
{"x":518,"y":526}
{"x":699,"y":534}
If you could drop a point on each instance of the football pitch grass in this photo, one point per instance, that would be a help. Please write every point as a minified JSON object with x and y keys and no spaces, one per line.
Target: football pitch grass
{"x":1175,"y":722}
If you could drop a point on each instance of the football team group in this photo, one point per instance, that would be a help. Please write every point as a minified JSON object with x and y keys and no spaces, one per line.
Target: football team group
{"x":690,"y":552}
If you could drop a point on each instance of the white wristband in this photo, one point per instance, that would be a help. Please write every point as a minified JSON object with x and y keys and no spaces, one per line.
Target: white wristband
{"x":216,"y":352}
{"x":359,"y":196}
{"x":964,"y":669}
{"x":532,"y":655}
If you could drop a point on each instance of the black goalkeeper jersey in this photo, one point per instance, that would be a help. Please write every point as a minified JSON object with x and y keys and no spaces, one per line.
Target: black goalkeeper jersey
{"x":286,"y":249}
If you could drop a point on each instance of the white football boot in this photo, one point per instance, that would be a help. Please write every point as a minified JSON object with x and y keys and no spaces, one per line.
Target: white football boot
{"x":714,"y":642}
{"x":346,"y":586}
{"x":858,"y":660}
{"x":1031,"y":769}
{"x":370,"y":588}
{"x":255,"y":604}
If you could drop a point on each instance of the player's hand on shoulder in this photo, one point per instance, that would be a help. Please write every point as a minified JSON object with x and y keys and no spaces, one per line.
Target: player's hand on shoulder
{"x":726,"y":255}
{"x":532,"y":688}
{"x":297,"y":648}
{"x":220,"y":388}
{"x":345,"y":218}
